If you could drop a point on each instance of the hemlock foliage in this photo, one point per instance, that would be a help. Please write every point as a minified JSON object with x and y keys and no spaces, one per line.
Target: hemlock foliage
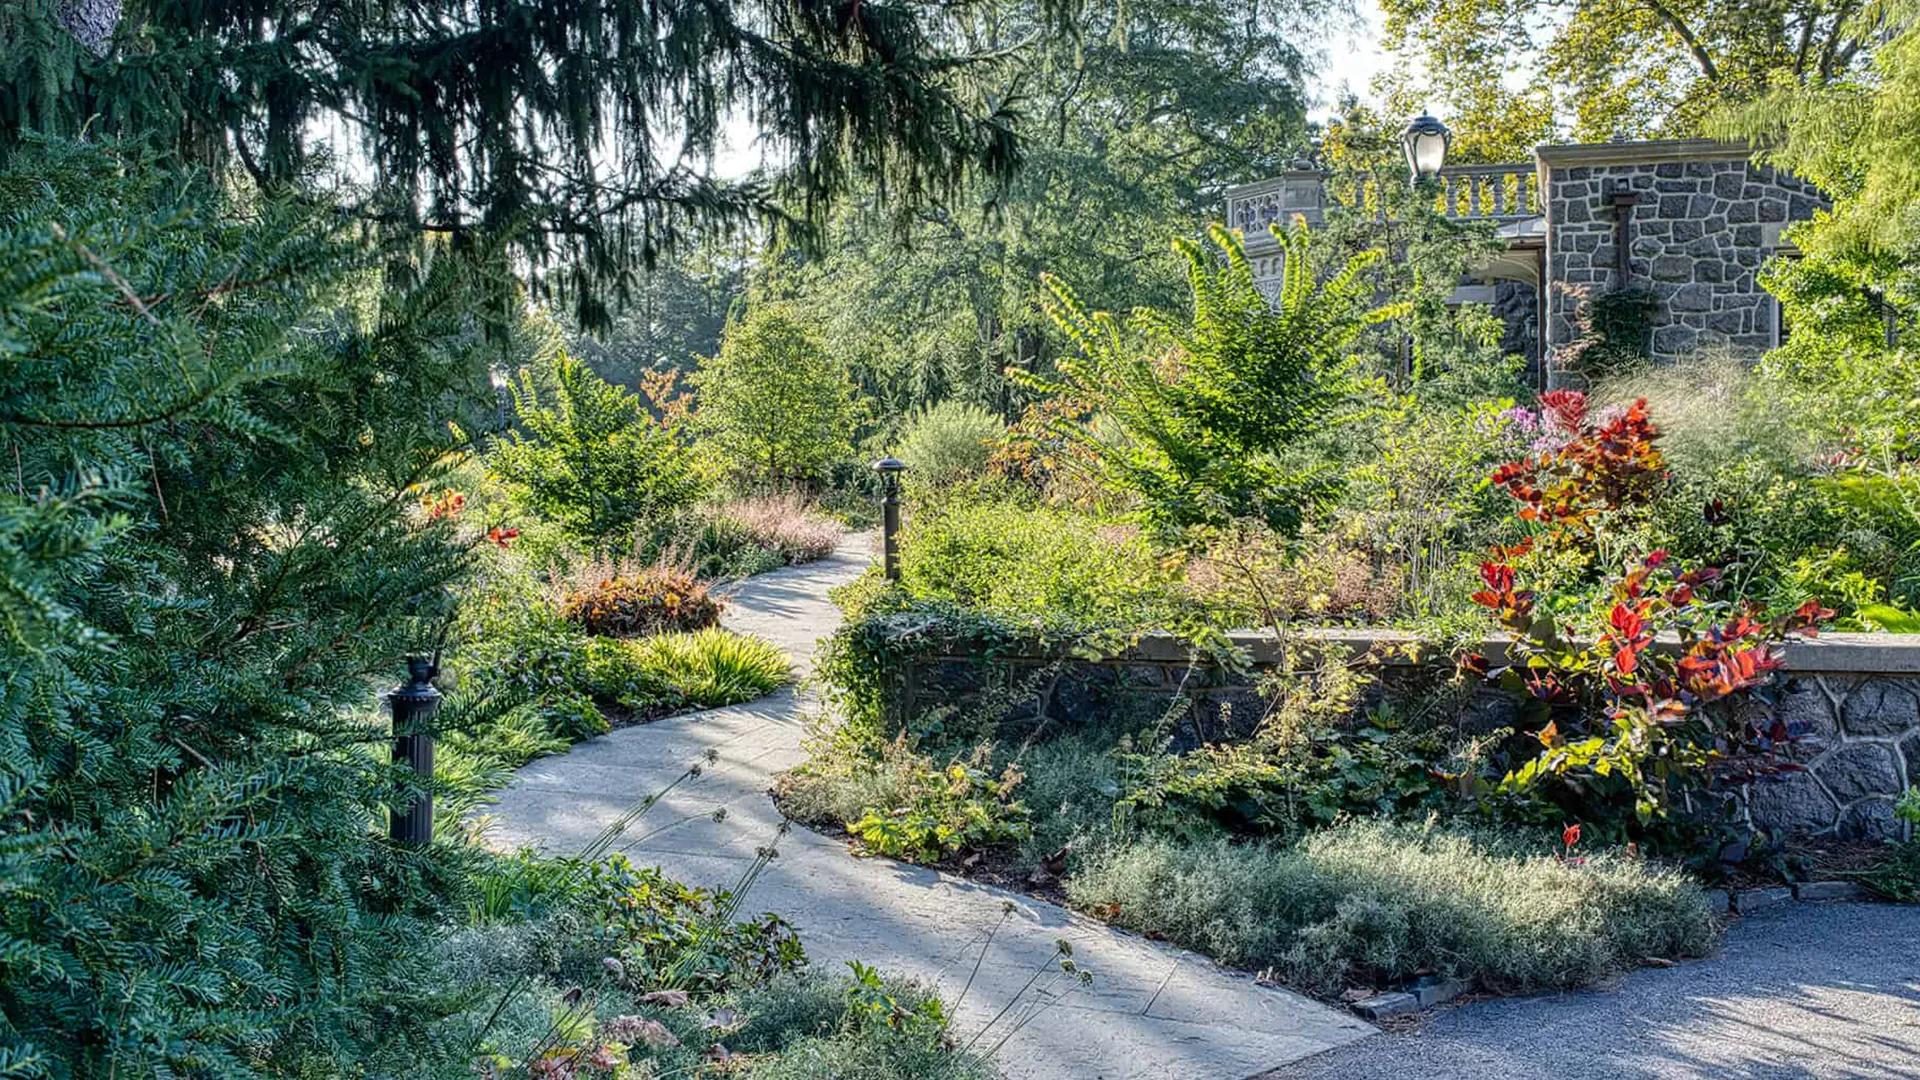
{"x":1131,"y":129}
{"x":584,"y":129}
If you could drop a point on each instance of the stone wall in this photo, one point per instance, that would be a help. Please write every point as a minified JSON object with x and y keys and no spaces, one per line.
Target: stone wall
{"x":1701,"y":220}
{"x":1853,"y":700}
{"x":1861,"y":747}
{"x":1517,"y":305}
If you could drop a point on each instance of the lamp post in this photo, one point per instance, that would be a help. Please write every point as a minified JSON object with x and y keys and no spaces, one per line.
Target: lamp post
{"x":1425,"y":142}
{"x":890,"y":469}
{"x":414,"y":706}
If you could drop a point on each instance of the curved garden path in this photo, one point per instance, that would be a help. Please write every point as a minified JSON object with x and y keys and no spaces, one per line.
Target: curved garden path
{"x":1152,"y":1010}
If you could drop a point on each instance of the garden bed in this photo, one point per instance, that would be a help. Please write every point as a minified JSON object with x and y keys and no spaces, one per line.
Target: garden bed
{"x":1852,"y":702}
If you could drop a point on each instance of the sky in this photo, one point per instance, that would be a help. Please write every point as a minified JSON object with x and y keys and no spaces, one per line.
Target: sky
{"x":1350,"y":61}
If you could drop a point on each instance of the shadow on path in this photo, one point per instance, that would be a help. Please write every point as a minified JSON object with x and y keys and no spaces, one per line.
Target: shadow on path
{"x":1802,"y":992}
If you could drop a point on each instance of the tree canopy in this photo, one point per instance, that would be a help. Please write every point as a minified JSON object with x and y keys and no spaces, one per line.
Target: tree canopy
{"x":1852,"y":298}
{"x":584,"y":129}
{"x":1505,"y":72}
{"x":773,"y":402}
{"x":1133,"y":129}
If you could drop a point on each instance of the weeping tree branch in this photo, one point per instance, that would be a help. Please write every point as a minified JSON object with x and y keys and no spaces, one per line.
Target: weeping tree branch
{"x":1687,"y":37}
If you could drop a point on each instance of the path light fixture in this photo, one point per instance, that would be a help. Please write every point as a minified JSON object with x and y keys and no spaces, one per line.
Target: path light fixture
{"x":1425,"y":141}
{"x":415,"y":703}
{"x":890,"y":469}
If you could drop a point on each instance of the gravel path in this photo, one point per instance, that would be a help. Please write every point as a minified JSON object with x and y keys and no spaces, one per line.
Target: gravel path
{"x":1153,"y":1012}
{"x":1800,"y":992}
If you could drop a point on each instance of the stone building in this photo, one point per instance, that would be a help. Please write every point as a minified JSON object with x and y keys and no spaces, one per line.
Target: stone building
{"x":1685,"y":223}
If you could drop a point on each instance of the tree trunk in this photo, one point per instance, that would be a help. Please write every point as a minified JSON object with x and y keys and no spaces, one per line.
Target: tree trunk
{"x":91,"y":22}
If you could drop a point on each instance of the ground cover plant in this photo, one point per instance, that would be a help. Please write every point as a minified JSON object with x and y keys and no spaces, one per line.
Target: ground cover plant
{"x":1375,"y":904}
{"x":648,"y":601}
{"x":1897,"y":875}
{"x":587,"y":965}
{"x":567,"y":663}
{"x":1325,"y":867}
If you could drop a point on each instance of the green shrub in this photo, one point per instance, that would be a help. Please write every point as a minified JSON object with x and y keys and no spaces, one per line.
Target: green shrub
{"x":588,"y":456}
{"x":843,"y":775}
{"x":1022,"y":562}
{"x":652,"y":600}
{"x":949,"y":442}
{"x":1415,"y":516}
{"x":774,"y":404}
{"x":208,"y":566}
{"x":709,"y":668}
{"x":1266,"y":787}
{"x":933,"y":812}
{"x":524,"y":886}
{"x":523,"y":734}
{"x":1372,"y":904}
{"x":1614,"y":332}
{"x":571,"y":715}
{"x":585,"y":969}
{"x":1072,"y":782}
{"x":1201,"y":416}
{"x":1250,"y":576}
{"x":668,"y":935}
{"x":802,"y":1026}
{"x":873,"y":1053}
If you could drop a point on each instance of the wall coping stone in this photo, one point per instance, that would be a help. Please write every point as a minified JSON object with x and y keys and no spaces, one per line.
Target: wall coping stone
{"x":1651,"y":152}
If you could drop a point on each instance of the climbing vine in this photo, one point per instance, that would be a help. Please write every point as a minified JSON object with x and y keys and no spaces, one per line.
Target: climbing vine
{"x":1614,"y":331}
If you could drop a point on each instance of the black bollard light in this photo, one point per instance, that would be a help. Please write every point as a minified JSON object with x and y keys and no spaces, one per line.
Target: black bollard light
{"x":890,"y":469}
{"x":414,"y":706}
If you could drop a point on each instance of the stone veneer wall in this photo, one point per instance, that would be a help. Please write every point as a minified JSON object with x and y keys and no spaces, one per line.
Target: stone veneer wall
{"x":1853,"y":699}
{"x":1517,"y":305}
{"x":1706,"y":219}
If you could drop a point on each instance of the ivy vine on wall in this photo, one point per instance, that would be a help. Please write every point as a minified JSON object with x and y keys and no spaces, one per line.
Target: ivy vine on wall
{"x":1614,"y":331}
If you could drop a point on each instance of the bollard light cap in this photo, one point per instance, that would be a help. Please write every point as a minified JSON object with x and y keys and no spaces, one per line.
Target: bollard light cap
{"x":889,"y":465}
{"x":421,"y":671}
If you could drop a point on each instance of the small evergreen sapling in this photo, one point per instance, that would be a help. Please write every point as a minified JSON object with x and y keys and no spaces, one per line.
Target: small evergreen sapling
{"x":588,"y":455}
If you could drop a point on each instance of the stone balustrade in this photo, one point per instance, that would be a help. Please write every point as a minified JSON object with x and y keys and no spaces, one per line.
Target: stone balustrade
{"x":1499,"y":193}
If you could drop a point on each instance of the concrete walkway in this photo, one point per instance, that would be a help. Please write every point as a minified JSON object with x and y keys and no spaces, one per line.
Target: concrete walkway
{"x":1800,"y":992}
{"x":1153,"y":1011}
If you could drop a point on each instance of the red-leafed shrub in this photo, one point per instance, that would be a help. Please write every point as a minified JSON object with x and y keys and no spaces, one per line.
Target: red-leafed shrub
{"x":1583,"y":466}
{"x":649,"y":601}
{"x":1649,"y":704}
